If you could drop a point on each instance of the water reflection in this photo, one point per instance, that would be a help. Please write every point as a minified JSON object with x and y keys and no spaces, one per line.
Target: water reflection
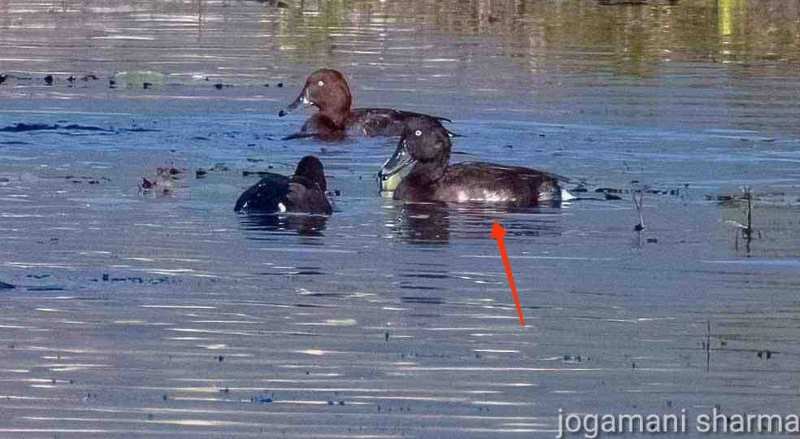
{"x":431,"y":223}
{"x":421,"y":223}
{"x":306,"y":225}
{"x":633,"y":35}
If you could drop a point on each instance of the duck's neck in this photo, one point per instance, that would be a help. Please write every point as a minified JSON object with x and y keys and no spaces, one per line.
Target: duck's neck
{"x":427,"y":173}
{"x":338,"y":116}
{"x":420,"y":183}
{"x":338,"y":112}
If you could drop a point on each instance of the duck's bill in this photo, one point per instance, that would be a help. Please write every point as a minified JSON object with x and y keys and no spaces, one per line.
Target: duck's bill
{"x":301,"y":100}
{"x":396,"y":168}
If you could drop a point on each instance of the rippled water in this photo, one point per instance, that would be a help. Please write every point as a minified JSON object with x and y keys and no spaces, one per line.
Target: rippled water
{"x":167,"y":314}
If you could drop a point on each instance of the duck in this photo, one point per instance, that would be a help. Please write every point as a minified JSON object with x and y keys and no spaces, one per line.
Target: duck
{"x":327,"y":89}
{"x":303,"y":192}
{"x":419,"y":171}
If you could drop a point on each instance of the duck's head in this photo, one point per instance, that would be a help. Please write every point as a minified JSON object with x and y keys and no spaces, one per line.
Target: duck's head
{"x":327,"y":90}
{"x":311,"y":169}
{"x":422,"y":153}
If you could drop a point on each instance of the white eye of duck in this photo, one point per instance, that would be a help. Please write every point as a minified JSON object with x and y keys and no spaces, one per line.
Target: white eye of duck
{"x":321,"y":83}
{"x":418,"y":133}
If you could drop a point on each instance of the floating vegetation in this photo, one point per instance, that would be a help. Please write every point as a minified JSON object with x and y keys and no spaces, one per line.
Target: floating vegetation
{"x":164,"y":182}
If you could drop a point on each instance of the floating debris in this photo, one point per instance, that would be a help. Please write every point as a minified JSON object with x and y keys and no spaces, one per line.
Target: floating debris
{"x":163,"y":183}
{"x":90,"y":180}
{"x":139,"y":79}
{"x":747,"y":231}
{"x":147,"y":184}
{"x":262,"y":399}
{"x":203,"y":172}
{"x":637,"y":194}
{"x":720,"y":198}
{"x":134,"y":279}
{"x":615,"y":193}
{"x":5,"y":286}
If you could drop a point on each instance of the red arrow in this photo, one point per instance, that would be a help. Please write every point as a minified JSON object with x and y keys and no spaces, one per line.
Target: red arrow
{"x":499,"y":234}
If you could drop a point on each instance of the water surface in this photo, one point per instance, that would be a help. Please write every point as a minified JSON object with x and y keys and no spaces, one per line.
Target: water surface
{"x":167,"y":314}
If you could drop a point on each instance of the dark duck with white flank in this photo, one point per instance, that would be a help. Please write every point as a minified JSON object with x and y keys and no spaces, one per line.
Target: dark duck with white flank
{"x":327,"y":90}
{"x":304,"y":192}
{"x":419,"y":172}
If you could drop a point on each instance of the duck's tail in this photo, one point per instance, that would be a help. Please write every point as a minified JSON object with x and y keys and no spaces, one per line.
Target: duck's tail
{"x":567,"y":196}
{"x":549,"y":192}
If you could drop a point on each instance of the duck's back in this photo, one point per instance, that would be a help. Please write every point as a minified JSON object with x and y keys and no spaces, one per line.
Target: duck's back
{"x":265,"y":196}
{"x":488,"y":182}
{"x":372,"y":122}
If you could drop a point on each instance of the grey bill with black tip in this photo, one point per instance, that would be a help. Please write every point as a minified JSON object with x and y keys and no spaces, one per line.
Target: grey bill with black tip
{"x":301,"y":99}
{"x":396,"y":168}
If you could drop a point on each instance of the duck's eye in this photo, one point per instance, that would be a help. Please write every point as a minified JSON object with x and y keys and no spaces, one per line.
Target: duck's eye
{"x":321,"y":83}
{"x":418,"y":133}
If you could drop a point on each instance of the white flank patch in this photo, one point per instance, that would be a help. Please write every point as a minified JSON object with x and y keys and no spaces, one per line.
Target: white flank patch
{"x":495,"y":197}
{"x":566,"y":196}
{"x":486,"y":197}
{"x":281,"y":207}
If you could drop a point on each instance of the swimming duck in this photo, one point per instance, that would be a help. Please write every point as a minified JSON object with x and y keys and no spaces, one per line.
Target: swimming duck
{"x":419,"y":172}
{"x":327,"y":90}
{"x":303,"y":192}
